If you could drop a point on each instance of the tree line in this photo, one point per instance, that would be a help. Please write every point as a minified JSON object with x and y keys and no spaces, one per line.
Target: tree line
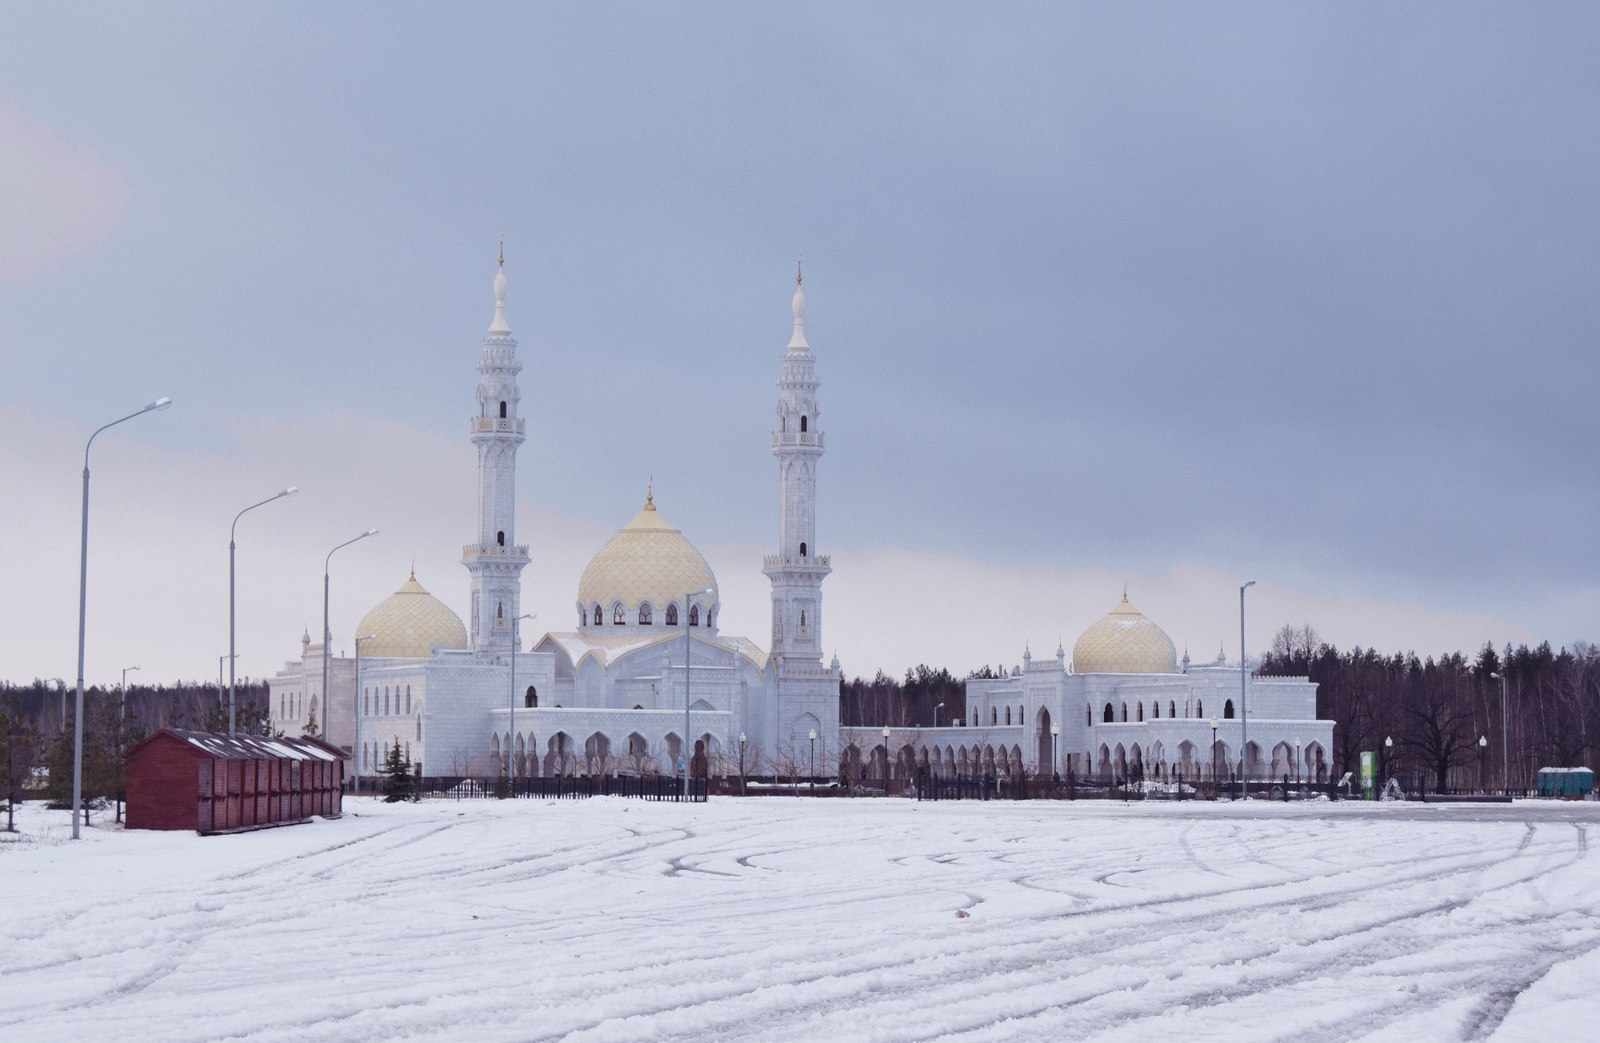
{"x":37,"y":733}
{"x":1429,"y":714}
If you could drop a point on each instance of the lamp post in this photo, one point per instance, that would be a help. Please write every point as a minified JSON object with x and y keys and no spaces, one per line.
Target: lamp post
{"x":327,"y":639}
{"x":688,"y":656}
{"x":1385,"y":768}
{"x":223,"y":658}
{"x":232,"y":650}
{"x":1213,"y":756}
{"x":357,"y":738}
{"x":1244,"y":712}
{"x":886,"y":760}
{"x":936,"y":710}
{"x":124,"y":713}
{"x":83,"y":604}
{"x":742,"y":788}
{"x":1297,"y":762}
{"x":1505,"y":760}
{"x":1483,"y":752}
{"x":813,"y":760}
{"x":511,"y":751}
{"x":1055,"y":771}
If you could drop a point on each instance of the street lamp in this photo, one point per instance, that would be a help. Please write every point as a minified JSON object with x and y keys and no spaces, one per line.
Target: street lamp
{"x":1505,"y":760}
{"x":688,"y":656}
{"x":1055,"y":733}
{"x":232,"y":650}
{"x":357,"y":739}
{"x":1213,"y":756}
{"x":124,"y":713}
{"x":511,"y":753}
{"x":1483,"y":751}
{"x":1244,"y":713}
{"x":742,"y":787}
{"x":936,"y":710}
{"x":327,"y":638}
{"x":1297,"y":762}
{"x":1386,"y":768}
{"x":886,"y":760}
{"x":813,"y":760}
{"x":83,"y":604}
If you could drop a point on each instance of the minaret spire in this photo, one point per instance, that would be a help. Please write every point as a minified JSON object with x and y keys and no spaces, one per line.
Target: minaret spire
{"x":495,"y":561}
{"x":797,"y":343}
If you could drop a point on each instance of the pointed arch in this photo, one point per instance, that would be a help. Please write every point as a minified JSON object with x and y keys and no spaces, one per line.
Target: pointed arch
{"x":672,"y":614}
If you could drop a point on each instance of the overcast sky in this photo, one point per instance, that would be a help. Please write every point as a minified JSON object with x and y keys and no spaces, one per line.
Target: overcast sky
{"x":1171,"y":295}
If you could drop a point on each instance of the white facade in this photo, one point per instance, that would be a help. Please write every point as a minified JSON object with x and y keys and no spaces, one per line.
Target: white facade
{"x":611,"y":695}
{"x":1139,"y":714}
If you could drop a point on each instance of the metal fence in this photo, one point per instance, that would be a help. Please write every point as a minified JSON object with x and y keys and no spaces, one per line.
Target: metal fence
{"x":555,"y":787}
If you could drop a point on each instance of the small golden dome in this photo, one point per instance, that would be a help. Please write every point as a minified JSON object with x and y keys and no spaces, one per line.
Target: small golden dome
{"x":407,"y":622}
{"x":1125,"y":642}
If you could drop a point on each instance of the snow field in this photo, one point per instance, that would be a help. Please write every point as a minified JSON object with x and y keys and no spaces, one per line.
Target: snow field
{"x":784,"y":919}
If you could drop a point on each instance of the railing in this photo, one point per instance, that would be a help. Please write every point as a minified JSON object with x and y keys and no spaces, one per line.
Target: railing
{"x":509,"y":425}
{"x":815,"y":561}
{"x":494,"y":550}
{"x":780,"y":438}
{"x":554,"y":787}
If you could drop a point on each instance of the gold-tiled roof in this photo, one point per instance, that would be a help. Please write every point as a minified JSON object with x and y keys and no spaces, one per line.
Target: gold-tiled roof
{"x":407,"y":622}
{"x":647,"y":560}
{"x":1124,"y":642}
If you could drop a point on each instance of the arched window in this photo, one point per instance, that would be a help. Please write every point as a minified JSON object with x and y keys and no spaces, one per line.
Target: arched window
{"x":1172,"y":708}
{"x":366,"y":702}
{"x":709,"y":610}
{"x":619,"y":617}
{"x":1109,"y":717}
{"x":802,"y":423}
{"x":802,"y":550}
{"x":646,"y":617}
{"x":1227,"y":709}
{"x":1155,"y":709}
{"x":1141,"y":713}
{"x":802,"y":619}
{"x":1088,"y":717}
{"x":974,"y":718}
{"x":386,"y":700}
{"x":1008,"y":715}
{"x":694,"y":615}
{"x":1124,"y":713}
{"x":994,"y":716}
{"x":783,"y":423}
{"x":597,"y":615}
{"x":500,"y":538}
{"x":672,"y":615}
{"x":531,"y":700}
{"x":408,"y":698}
{"x":502,"y":411}
{"x":1199,"y":708}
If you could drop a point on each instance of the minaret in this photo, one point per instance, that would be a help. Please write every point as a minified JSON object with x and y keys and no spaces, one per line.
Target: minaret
{"x":495,"y":560}
{"x":797,"y":570}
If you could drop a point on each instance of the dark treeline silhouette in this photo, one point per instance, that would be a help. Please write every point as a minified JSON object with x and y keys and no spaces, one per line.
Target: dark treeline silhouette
{"x":1436,"y":710}
{"x":907,"y":703}
{"x":186,"y":704}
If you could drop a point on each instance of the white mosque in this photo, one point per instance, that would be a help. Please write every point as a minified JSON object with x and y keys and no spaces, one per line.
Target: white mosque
{"x":647,"y":665}
{"x":610,"y":695}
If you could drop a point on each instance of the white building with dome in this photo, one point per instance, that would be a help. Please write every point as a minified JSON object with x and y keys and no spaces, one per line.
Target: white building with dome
{"x":1124,"y":706}
{"x":611,"y":694}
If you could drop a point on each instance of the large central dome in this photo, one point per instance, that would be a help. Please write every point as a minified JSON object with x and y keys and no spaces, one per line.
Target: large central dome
{"x":643,"y":572}
{"x":409,"y":623}
{"x":1124,"y":642}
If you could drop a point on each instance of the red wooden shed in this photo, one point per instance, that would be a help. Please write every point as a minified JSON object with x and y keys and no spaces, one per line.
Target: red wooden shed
{"x":221,"y":784}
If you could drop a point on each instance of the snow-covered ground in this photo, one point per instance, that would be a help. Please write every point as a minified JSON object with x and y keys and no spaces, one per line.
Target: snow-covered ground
{"x":776,"y":918}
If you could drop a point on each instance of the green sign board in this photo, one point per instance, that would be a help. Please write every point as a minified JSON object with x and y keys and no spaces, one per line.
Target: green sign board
{"x":1368,"y":771}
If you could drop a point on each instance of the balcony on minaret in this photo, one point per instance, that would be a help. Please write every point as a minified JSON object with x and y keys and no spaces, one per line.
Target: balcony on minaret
{"x":813,"y":562}
{"x":809,"y":438}
{"x":494,"y":550}
{"x":497,"y":425}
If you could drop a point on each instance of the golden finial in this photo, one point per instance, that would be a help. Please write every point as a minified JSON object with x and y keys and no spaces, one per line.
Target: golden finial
{"x":502,"y":249}
{"x":798,"y":262}
{"x":650,"y":494}
{"x":1124,"y":593}
{"x":413,"y":570}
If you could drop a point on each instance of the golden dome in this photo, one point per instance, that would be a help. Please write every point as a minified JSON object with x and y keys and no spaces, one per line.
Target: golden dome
{"x":1124,"y":642}
{"x":407,"y":622}
{"x":647,"y":561}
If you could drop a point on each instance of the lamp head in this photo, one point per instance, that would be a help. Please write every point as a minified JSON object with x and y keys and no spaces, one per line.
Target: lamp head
{"x":813,"y":735}
{"x":161,"y":403}
{"x":1483,"y":740}
{"x":1247,"y":586}
{"x":886,"y":731}
{"x":1388,"y":740}
{"x":369,"y":532}
{"x":1213,"y":724}
{"x":290,"y":491}
{"x":741,"y":738}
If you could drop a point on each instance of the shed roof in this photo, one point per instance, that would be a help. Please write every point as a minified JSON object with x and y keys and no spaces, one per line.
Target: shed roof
{"x":252,"y":747}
